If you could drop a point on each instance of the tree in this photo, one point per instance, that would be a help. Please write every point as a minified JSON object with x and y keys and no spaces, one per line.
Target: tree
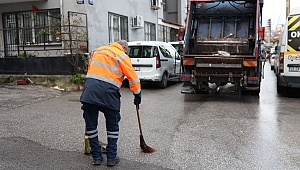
{"x":75,"y":39}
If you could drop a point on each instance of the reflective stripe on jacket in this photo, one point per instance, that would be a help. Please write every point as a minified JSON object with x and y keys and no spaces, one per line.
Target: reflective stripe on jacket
{"x":107,"y":67}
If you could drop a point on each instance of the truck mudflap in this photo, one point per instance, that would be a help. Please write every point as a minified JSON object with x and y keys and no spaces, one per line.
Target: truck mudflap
{"x":187,"y":89}
{"x":252,"y":86}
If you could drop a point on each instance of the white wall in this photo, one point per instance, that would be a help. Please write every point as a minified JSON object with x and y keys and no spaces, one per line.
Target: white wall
{"x":64,"y":5}
{"x":98,"y":19}
{"x":26,"y":6}
{"x":98,"y":15}
{"x":71,"y":5}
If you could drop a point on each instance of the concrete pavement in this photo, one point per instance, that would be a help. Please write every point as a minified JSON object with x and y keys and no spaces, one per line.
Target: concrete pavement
{"x":42,"y":128}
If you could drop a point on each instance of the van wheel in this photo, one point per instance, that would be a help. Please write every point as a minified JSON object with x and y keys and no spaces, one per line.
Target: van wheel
{"x":164,"y":81}
{"x":279,"y":88}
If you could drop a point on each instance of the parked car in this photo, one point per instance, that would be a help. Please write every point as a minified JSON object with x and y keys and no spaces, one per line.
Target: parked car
{"x":272,"y":59}
{"x":155,"y":61}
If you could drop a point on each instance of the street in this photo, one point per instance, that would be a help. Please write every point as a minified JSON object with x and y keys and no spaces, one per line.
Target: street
{"x":41,"y":128}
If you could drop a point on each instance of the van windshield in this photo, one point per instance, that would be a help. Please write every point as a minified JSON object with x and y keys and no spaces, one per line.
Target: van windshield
{"x":140,"y":51}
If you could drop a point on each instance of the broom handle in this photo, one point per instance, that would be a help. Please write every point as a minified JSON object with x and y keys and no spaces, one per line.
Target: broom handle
{"x":138,"y":115}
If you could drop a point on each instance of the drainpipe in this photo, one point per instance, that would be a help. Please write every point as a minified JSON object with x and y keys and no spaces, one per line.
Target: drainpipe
{"x":157,"y":30}
{"x":269,"y":29}
{"x":287,"y":8}
{"x":61,"y":4}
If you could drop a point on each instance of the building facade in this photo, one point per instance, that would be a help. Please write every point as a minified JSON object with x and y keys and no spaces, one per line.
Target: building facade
{"x":44,"y":28}
{"x":35,"y":27}
{"x":135,"y":20}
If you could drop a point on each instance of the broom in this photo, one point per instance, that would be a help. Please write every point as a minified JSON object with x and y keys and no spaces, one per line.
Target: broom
{"x":143,"y":144}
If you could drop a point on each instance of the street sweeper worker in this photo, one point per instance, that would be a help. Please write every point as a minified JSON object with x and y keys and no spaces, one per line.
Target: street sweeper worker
{"x":107,"y":67}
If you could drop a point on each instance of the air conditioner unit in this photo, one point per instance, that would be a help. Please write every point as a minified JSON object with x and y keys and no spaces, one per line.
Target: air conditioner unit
{"x":155,"y":4}
{"x":137,"y":22}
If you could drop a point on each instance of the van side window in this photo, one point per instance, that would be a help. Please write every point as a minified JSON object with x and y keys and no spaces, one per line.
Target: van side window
{"x":165,"y":52}
{"x":155,"y":51}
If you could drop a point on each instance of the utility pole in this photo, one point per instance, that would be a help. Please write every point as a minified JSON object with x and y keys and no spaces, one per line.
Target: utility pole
{"x":287,"y":8}
{"x":269,"y":31}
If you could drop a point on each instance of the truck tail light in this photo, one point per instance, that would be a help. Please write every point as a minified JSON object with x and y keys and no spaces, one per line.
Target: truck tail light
{"x":261,"y":33}
{"x":158,"y":65}
{"x":253,"y":78}
{"x":281,"y":62}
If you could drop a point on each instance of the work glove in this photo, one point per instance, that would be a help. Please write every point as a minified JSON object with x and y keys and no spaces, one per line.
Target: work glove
{"x":137,"y":98}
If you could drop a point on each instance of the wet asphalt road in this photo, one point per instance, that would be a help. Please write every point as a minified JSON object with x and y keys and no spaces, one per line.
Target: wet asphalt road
{"x":41,"y":128}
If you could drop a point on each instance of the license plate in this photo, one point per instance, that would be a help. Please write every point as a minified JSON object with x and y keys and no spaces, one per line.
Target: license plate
{"x":294,"y":69}
{"x":137,"y":68}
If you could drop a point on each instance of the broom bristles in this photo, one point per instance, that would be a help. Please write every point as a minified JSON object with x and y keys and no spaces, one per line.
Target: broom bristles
{"x":144,"y":146}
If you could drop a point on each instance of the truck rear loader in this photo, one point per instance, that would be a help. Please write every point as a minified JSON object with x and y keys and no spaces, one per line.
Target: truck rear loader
{"x":222,"y":46}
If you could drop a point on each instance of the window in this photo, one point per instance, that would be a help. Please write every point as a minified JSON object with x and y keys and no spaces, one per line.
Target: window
{"x":140,"y":51}
{"x":165,"y":52}
{"x":161,"y":34}
{"x":47,"y":25}
{"x":173,"y":33}
{"x":150,"y":32}
{"x":166,"y":34}
{"x":118,"y":27}
{"x":32,"y":27}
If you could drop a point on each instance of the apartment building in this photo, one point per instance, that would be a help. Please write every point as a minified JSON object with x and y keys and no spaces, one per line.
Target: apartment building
{"x":133,"y":20}
{"x":54,"y":37}
{"x":42,"y":28}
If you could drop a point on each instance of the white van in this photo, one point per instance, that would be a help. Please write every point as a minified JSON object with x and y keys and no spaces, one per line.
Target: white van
{"x":155,"y":61}
{"x":287,"y":62}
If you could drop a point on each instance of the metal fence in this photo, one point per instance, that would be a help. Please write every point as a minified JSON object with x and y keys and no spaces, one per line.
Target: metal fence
{"x":44,"y":34}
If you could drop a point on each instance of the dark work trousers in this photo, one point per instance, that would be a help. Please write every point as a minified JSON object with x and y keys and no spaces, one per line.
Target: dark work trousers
{"x":90,"y":115}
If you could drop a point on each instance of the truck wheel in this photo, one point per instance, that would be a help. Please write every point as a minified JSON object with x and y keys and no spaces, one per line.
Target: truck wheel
{"x":256,"y":93}
{"x":164,"y":81}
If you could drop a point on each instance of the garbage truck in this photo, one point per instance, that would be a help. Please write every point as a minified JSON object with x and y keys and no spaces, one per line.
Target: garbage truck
{"x":222,"y":46}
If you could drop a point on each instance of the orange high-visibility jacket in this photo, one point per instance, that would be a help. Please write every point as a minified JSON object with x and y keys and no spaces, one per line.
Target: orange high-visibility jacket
{"x":111,"y":64}
{"x":107,"y":67}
